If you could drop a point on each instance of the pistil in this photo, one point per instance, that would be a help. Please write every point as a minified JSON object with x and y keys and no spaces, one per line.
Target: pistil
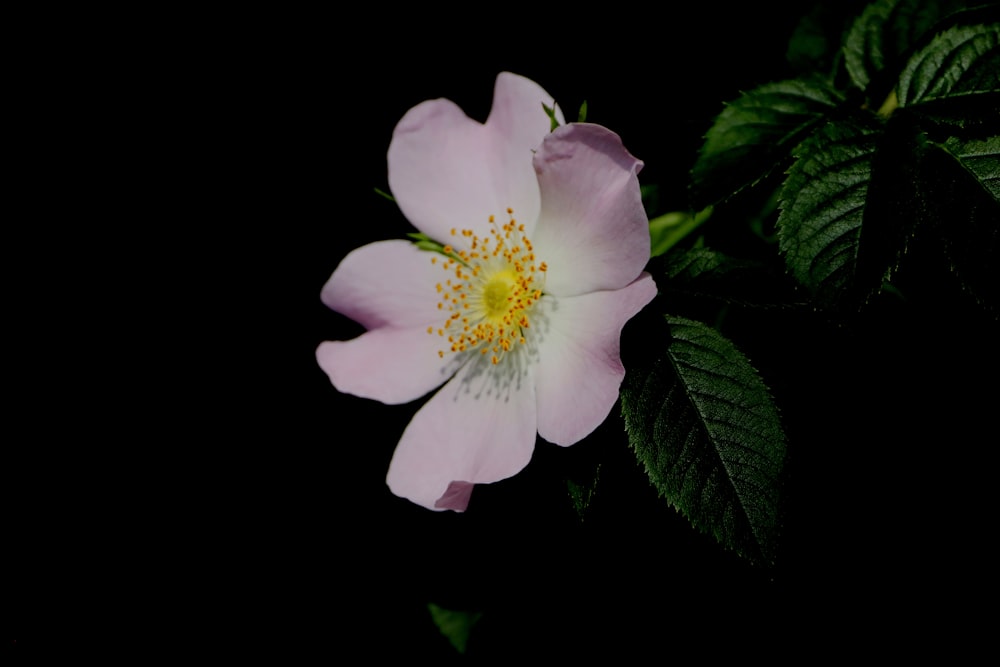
{"x":492,"y":286}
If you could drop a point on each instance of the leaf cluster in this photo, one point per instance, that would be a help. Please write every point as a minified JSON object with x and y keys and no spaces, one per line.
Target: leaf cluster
{"x":901,"y":140}
{"x":887,"y":146}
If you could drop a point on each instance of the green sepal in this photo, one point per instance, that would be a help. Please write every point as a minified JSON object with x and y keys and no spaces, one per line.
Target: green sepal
{"x":551,"y":113}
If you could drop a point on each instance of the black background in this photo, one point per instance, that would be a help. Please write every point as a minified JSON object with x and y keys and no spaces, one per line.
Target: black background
{"x":252,"y":497}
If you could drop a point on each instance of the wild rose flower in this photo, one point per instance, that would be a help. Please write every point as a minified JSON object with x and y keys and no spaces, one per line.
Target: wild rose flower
{"x":520,"y":314}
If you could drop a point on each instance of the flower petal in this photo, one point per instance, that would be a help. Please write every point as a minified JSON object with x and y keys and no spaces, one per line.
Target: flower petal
{"x":592,"y":231}
{"x":388,"y":365}
{"x":580,"y":370}
{"x":518,"y":124}
{"x":479,"y":428}
{"x":448,"y":171}
{"x":387,"y":283}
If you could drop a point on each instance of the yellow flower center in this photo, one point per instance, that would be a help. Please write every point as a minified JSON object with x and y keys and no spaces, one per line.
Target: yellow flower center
{"x":497,"y":293}
{"x":493,"y":285}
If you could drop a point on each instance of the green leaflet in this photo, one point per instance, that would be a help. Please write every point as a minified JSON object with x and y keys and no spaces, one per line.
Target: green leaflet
{"x":823,"y":204}
{"x":885,"y":32}
{"x":972,"y":179}
{"x":962,"y":60}
{"x":863,"y":49}
{"x":705,"y":428}
{"x":755,"y":133}
{"x":981,"y":158}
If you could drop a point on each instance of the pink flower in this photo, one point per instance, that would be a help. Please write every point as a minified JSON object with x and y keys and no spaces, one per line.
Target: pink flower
{"x":520,"y":315}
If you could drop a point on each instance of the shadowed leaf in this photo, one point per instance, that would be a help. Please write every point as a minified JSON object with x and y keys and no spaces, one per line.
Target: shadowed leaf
{"x":755,"y":133}
{"x":705,"y":428}
{"x":971,"y":228}
{"x":963,"y":60}
{"x":823,"y":205}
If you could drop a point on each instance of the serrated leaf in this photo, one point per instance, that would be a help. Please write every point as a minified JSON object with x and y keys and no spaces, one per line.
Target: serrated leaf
{"x":704,"y":426}
{"x":754,"y":133}
{"x":982,"y":159}
{"x":822,"y":208}
{"x":885,"y":31}
{"x":701,"y":265}
{"x":971,"y":170}
{"x":972,"y":116}
{"x":962,"y":60}
{"x":863,"y":54}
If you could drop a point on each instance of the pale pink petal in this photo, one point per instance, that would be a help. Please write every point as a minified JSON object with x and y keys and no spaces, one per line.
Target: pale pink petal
{"x":592,"y":231}
{"x":448,"y":171}
{"x":478,"y":428}
{"x":388,"y":365}
{"x":579,"y":369}
{"x":388,"y":283}
{"x":518,"y":123}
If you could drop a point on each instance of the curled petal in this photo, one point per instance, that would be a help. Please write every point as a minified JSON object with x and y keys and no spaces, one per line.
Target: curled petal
{"x":592,"y":230}
{"x":448,"y":171}
{"x":477,"y":429}
{"x":388,"y":283}
{"x":388,"y":365}
{"x":580,"y":370}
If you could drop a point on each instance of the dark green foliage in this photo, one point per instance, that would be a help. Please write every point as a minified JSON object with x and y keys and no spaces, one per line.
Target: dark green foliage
{"x":888,"y":151}
{"x":963,"y":60}
{"x":755,"y":133}
{"x":858,"y":180}
{"x":704,"y":426}
{"x":823,"y":207}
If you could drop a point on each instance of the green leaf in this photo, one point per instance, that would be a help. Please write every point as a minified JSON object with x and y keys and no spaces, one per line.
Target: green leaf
{"x":982,"y":160}
{"x":704,"y":426}
{"x":863,"y":50}
{"x":755,"y":133}
{"x":972,"y":116}
{"x":667,"y":230}
{"x":581,"y":117}
{"x":700,"y":264}
{"x":822,"y":207}
{"x":455,"y":625}
{"x":969,"y":170}
{"x":963,"y":60}
{"x":884,"y":33}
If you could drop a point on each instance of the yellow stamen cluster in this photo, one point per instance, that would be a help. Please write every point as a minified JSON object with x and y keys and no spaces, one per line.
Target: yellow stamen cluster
{"x":492,"y":285}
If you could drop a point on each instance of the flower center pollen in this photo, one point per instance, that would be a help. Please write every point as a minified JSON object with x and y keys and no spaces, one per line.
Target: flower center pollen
{"x":496,"y":295}
{"x":493,"y":285}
